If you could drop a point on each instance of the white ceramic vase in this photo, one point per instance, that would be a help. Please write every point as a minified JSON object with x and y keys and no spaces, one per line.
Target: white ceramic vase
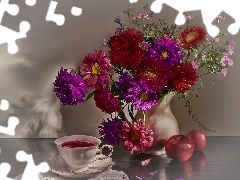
{"x":162,"y":122}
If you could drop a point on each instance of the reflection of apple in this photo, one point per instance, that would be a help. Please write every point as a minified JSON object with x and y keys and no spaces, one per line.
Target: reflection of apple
{"x":198,"y":139}
{"x":184,"y":169}
{"x":198,"y":161}
{"x":179,"y":147}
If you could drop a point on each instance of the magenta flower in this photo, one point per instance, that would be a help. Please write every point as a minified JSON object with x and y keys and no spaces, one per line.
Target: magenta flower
{"x":95,"y":69}
{"x":69,"y":87}
{"x":136,"y":137}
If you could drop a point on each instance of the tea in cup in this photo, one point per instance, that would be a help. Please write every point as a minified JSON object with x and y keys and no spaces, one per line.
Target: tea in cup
{"x":79,"y":150}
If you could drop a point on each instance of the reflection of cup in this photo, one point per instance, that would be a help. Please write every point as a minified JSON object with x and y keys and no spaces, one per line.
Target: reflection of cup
{"x":84,"y":150}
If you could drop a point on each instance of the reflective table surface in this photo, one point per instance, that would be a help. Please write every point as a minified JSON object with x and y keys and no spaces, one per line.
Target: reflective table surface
{"x":220,"y":160}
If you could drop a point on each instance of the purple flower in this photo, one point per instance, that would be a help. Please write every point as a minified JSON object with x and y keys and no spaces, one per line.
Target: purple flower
{"x":69,"y":87}
{"x":165,"y":49}
{"x":127,"y":11}
{"x":110,"y":130}
{"x":120,"y":29}
{"x":139,"y":93}
{"x":124,"y":84}
{"x":117,"y":20}
{"x":145,"y":45}
{"x":105,"y":42}
{"x":143,"y":97}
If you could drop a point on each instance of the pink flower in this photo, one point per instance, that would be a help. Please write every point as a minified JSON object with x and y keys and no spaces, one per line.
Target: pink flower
{"x":188,"y":18}
{"x":136,"y":137}
{"x":230,"y":48}
{"x":224,"y":71}
{"x":195,"y":64}
{"x":226,"y":60}
{"x":208,"y":39}
{"x":142,"y":15}
{"x":204,"y":57}
{"x":220,"y":16}
{"x":95,"y":69}
{"x":217,"y":39}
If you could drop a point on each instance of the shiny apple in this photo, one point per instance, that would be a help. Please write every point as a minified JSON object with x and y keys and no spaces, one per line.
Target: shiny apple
{"x":179,"y":148}
{"x":198,"y":139}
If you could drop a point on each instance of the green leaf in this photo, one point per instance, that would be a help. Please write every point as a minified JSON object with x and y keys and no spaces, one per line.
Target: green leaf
{"x":164,"y":100}
{"x":90,"y":95}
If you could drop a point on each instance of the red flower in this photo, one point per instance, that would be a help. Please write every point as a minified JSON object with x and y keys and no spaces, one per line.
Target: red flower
{"x":155,"y":73}
{"x":192,"y":36}
{"x":126,"y":48}
{"x":106,"y":101}
{"x":183,"y":77}
{"x":136,"y":137}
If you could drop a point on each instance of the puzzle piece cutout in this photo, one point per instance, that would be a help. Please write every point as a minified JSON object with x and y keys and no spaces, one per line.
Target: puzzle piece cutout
{"x":133,"y":1}
{"x":12,"y":9}
{"x":8,"y":35}
{"x":4,"y":105}
{"x":13,"y":121}
{"x":30,"y":2}
{"x":31,"y":171}
{"x":209,"y":10}
{"x":4,"y":170}
{"x":59,"y":19}
{"x":10,"y":129}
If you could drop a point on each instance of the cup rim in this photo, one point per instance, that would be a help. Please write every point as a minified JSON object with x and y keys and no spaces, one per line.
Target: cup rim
{"x":70,"y":136}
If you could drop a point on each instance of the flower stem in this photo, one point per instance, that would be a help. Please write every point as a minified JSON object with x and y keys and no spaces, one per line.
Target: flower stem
{"x":144,"y":118}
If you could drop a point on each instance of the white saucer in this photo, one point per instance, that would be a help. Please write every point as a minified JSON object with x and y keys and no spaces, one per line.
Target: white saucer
{"x":100,"y":163}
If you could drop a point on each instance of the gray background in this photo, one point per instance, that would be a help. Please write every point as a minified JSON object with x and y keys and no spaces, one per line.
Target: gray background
{"x":27,"y":76}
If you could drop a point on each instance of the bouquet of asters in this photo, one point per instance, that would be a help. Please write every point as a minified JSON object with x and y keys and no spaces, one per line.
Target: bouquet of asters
{"x":143,"y":61}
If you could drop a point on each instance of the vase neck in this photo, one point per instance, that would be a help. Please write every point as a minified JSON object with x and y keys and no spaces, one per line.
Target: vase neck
{"x":164,"y":102}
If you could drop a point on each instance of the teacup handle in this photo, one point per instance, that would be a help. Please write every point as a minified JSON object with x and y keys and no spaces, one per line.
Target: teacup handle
{"x":109,"y":147}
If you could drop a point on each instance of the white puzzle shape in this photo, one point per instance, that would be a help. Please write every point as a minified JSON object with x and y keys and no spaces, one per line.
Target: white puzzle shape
{"x":209,"y":9}
{"x":4,"y":105}
{"x":10,"y":129}
{"x":8,"y":35}
{"x":133,"y":1}
{"x":13,"y":121}
{"x":4,"y":170}
{"x":59,"y":19}
{"x":51,"y":16}
{"x":30,"y":2}
{"x":31,"y":171}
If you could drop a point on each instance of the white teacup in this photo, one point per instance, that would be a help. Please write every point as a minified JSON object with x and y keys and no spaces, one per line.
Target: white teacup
{"x":78,"y":157}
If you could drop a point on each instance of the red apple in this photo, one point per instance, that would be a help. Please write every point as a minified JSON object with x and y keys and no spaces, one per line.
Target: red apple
{"x":198,"y":139}
{"x":179,"y":147}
